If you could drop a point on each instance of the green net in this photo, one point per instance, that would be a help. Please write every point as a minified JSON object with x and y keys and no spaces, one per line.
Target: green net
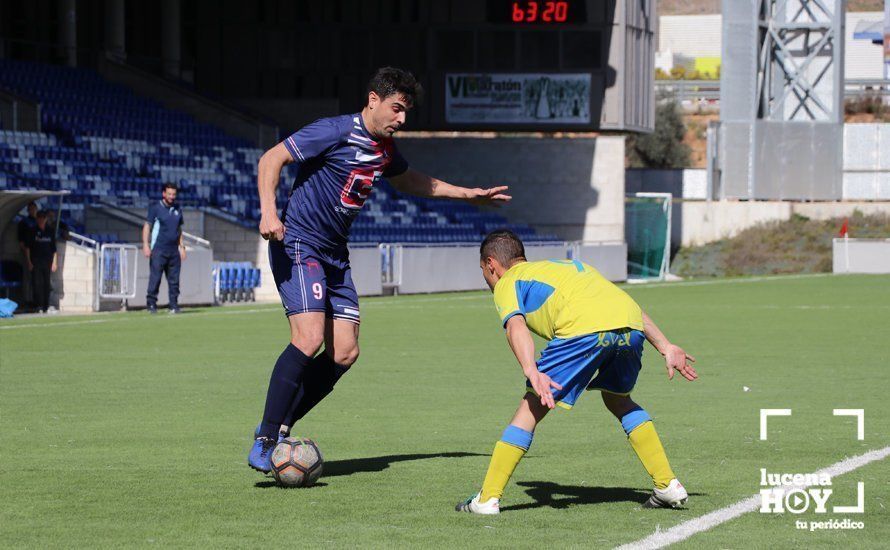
{"x":647,"y":231}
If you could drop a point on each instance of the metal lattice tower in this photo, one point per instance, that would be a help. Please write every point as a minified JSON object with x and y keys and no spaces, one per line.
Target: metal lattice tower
{"x":781,"y":101}
{"x":800,"y":61}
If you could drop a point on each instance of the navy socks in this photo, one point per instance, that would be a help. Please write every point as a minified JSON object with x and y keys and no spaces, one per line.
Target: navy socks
{"x":287,"y":377}
{"x":321,"y":376}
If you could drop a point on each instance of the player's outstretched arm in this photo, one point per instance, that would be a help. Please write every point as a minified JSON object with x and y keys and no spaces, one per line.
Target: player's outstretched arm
{"x":268,"y":176}
{"x":523,"y":346}
{"x":675,"y":358}
{"x":422,"y":185}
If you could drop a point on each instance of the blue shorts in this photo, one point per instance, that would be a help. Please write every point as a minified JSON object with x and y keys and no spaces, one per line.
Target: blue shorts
{"x":608,"y":361}
{"x":311,"y":280}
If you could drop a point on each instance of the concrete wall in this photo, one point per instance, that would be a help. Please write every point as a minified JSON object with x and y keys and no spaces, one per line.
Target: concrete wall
{"x":195,"y":280}
{"x":573,"y":188}
{"x":74,"y":282}
{"x":866,"y":162}
{"x":456,"y":268}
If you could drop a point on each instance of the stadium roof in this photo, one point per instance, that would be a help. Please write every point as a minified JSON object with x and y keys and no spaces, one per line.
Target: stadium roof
{"x":13,"y":201}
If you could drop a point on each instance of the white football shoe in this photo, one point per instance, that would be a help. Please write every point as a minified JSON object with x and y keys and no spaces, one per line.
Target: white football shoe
{"x":473,"y":506}
{"x":673,"y":496}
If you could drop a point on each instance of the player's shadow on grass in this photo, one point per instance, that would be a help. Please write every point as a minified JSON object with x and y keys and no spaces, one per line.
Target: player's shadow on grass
{"x":554,"y":495}
{"x":370,"y":464}
{"x":380,"y":463}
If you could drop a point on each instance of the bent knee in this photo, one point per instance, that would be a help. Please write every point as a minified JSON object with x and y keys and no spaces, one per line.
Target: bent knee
{"x":346,"y":357}
{"x":308,"y":342}
{"x":618,"y":405}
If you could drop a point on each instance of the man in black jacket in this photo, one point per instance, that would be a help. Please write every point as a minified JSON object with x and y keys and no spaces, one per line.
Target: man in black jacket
{"x":41,"y":260}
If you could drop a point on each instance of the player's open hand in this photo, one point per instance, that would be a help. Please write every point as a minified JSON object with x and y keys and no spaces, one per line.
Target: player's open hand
{"x":271,"y":228}
{"x":493,"y":196}
{"x":675,"y":359}
{"x":542,"y":384}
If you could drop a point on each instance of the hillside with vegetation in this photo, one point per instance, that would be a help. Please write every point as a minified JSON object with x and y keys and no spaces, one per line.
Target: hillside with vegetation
{"x":799,"y":245}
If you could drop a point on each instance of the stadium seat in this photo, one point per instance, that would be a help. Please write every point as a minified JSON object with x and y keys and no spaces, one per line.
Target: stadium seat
{"x":103,"y":141}
{"x":10,"y":276}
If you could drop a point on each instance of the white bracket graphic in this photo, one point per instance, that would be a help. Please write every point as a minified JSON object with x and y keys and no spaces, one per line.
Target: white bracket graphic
{"x":765,"y":414}
{"x":860,"y":424}
{"x":860,"y":502}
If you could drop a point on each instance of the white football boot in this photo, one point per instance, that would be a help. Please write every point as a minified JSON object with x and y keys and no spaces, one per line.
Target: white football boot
{"x":673,"y":496}
{"x":473,"y":506}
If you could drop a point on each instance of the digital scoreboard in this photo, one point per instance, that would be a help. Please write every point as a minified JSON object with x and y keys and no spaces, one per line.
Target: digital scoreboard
{"x":537,"y":12}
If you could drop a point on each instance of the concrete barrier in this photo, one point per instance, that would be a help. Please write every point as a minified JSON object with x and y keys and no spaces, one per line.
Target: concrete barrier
{"x":195,"y":280}
{"x":861,"y":256}
{"x":366,"y":267}
{"x":421,"y":269}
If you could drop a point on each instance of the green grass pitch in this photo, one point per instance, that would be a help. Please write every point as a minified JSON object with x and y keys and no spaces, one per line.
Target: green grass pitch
{"x":130,"y":430}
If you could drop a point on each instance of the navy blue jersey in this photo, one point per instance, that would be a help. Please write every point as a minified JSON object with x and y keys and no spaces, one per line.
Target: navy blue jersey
{"x":42,"y":243}
{"x":165,"y":222}
{"x":339,"y":163}
{"x":26,"y":227}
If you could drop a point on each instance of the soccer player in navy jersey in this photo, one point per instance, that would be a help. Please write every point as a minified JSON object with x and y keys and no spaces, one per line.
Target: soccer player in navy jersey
{"x":340,"y":159}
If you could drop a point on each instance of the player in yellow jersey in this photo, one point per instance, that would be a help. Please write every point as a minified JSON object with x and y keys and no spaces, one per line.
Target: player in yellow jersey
{"x":595,"y":333}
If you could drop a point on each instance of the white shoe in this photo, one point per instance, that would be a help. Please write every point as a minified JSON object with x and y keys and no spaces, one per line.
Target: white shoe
{"x":51,"y":310}
{"x":673,"y":496}
{"x":473,"y":506}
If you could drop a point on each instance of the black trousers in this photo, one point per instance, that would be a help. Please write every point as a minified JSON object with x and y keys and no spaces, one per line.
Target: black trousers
{"x":168,"y":263}
{"x":40,"y":279}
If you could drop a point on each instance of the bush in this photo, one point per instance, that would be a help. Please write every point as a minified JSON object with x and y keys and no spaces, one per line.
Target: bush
{"x":797,"y":245}
{"x":872,"y":104}
{"x":664,"y":147}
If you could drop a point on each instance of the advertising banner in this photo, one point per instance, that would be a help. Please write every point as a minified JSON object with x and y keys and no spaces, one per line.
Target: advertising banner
{"x":517,"y":99}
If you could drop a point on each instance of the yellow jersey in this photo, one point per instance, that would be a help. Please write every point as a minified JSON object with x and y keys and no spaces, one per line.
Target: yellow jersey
{"x":564,"y":299}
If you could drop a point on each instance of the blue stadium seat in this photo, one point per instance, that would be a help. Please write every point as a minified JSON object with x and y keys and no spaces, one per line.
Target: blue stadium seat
{"x":102,"y":140}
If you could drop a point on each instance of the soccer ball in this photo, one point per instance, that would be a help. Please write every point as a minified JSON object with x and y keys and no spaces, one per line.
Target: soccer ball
{"x":296,"y":462}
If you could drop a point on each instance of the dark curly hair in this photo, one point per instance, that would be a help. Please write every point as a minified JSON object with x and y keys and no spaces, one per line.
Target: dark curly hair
{"x":390,"y":80}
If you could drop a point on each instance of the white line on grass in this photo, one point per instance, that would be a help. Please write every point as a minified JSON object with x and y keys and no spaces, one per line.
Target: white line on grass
{"x":117,"y":318}
{"x":683,"y":531}
{"x":398,"y":300}
{"x":391,"y":302}
{"x":59,"y":324}
{"x":732,"y":281}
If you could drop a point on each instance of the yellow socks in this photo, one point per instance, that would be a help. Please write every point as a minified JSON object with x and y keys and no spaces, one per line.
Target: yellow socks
{"x":645,"y":442}
{"x":515,"y":442}
{"x":507,"y":454}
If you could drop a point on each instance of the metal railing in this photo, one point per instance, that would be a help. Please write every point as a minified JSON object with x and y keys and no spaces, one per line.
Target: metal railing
{"x":82,"y":240}
{"x":709,"y":90}
{"x":127,"y":216}
{"x":118,"y":264}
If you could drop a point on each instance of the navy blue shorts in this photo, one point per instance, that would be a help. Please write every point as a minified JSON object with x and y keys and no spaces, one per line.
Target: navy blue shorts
{"x":608,"y":361}
{"x":312,"y":280}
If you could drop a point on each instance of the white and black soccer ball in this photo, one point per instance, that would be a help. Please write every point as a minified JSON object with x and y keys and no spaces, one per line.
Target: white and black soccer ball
{"x":296,"y":462}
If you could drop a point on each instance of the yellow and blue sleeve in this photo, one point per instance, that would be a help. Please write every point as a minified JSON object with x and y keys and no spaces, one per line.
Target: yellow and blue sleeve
{"x":506,"y":301}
